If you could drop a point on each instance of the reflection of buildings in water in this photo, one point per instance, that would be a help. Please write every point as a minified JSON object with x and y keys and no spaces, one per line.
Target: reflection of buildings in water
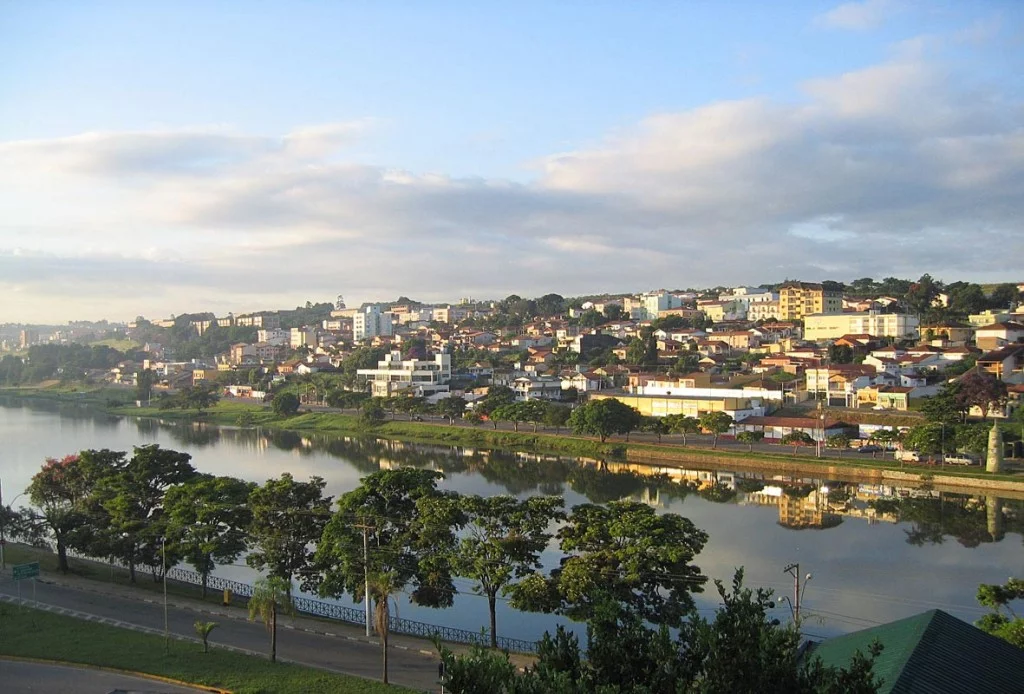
{"x":699,"y":479}
{"x":811,"y":511}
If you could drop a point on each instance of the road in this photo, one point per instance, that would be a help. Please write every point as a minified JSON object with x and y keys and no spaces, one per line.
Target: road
{"x":340,"y":651}
{"x":26,"y":678}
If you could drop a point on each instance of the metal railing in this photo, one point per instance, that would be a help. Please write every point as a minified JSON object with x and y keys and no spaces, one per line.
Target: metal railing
{"x":349,"y":615}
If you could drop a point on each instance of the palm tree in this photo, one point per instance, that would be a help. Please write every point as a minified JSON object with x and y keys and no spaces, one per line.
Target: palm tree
{"x":381,"y":589}
{"x":269,"y":596}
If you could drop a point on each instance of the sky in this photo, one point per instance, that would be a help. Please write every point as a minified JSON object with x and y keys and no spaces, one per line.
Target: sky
{"x":160,"y":158}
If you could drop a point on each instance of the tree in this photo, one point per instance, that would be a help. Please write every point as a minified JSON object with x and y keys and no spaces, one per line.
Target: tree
{"x":203,"y":630}
{"x":208,"y":519}
{"x":840,"y":354}
{"x":838,"y":441}
{"x":946,"y":406}
{"x":61,"y":491}
{"x":681,"y":424}
{"x":287,"y":518}
{"x":624,"y":552}
{"x":372,"y":413}
{"x":556,"y":415}
{"x":285,"y":404}
{"x":797,"y":439}
{"x":925,"y":438}
{"x":750,"y":438}
{"x":715,"y":423}
{"x":496,"y":397}
{"x":513,"y":412}
{"x":395,"y":530}
{"x":654,"y":425}
{"x":452,"y":407}
{"x":1003,"y":296}
{"x":145,"y":380}
{"x":270,"y":596}
{"x":982,"y":390}
{"x":502,"y":540}
{"x":603,"y":418}
{"x":198,"y":397}
{"x":132,"y":500}
{"x":636,"y":352}
{"x":1002,"y":621}
{"x":921,"y":294}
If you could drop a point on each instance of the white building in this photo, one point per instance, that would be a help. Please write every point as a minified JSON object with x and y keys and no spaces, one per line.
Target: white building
{"x":273,"y":336}
{"x":410,"y":376}
{"x":763,"y":310}
{"x":829,"y":326}
{"x":371,"y":322}
{"x":749,"y":297}
{"x":302,"y":337}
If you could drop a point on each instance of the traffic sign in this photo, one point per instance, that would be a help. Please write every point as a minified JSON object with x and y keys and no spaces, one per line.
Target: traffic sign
{"x":22,"y":571}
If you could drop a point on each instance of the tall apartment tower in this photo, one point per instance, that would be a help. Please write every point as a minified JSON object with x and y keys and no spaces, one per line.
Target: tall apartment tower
{"x":371,"y":321}
{"x":799,"y":299}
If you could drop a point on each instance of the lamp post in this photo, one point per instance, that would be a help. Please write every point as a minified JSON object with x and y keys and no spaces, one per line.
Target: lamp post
{"x":798,"y":591}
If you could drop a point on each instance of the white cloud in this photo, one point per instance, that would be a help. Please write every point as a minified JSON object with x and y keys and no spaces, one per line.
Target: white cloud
{"x":857,"y":16}
{"x":896,"y":169}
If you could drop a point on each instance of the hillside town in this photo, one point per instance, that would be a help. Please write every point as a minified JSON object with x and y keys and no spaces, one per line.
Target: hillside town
{"x":801,"y":349}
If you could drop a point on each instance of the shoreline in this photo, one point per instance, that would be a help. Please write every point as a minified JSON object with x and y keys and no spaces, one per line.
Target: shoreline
{"x":226,"y":413}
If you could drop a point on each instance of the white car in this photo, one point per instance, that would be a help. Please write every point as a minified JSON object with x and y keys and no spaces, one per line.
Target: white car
{"x":959,"y":459}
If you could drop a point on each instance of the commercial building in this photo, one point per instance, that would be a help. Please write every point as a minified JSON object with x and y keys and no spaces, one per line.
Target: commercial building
{"x":738,"y":408}
{"x":419,"y":377}
{"x":799,"y":299}
{"x":824,"y":326}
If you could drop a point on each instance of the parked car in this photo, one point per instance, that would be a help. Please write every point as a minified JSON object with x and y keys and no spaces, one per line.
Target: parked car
{"x":870,"y":448}
{"x":959,"y":459}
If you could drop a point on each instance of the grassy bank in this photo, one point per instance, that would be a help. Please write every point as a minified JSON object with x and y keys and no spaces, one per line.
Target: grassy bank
{"x":228,"y":412}
{"x":31,"y":633}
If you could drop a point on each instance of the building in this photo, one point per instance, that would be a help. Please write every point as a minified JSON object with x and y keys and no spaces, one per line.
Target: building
{"x":825,"y":326}
{"x":371,"y":321}
{"x":27,"y":338}
{"x":998,"y":335}
{"x":931,"y":652}
{"x":1006,"y":364}
{"x":763,"y":310}
{"x":739,"y":408}
{"x":984,"y":318}
{"x":799,"y":299}
{"x":302,"y":337}
{"x":419,"y":377}
{"x":537,"y":388}
{"x":258,"y":320}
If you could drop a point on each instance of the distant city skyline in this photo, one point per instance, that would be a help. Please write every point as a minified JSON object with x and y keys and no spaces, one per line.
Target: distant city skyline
{"x":159,"y":158}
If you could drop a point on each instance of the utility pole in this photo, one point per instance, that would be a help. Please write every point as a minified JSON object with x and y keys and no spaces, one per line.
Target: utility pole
{"x":366,"y":572}
{"x":163,"y":555}
{"x":3,"y":524}
{"x":798,"y":591}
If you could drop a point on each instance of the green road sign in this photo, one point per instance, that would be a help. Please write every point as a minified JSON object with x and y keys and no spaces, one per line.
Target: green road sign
{"x":23,"y":571}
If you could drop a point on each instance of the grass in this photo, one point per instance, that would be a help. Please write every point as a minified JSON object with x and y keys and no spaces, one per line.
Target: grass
{"x":226,"y":412}
{"x":29,"y":633}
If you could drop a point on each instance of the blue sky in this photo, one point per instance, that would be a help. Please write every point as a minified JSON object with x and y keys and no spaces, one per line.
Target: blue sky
{"x":445,"y":149}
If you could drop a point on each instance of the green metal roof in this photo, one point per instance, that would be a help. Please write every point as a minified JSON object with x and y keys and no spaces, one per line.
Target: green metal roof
{"x":933,"y":653}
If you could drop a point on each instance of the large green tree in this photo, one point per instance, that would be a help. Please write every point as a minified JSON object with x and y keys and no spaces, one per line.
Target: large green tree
{"x":395,"y":530}
{"x":1003,"y":621}
{"x":502,"y":541}
{"x":622,"y":552}
{"x":208,"y":520}
{"x":604,"y":417}
{"x":288,"y":517}
{"x":682,"y":424}
{"x":715,"y":423}
{"x":982,"y":390}
{"x":132,"y":501}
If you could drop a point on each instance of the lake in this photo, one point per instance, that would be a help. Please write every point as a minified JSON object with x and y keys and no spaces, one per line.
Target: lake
{"x":877,"y":553}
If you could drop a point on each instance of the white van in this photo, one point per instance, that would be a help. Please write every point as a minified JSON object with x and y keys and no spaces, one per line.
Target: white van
{"x":907,"y":456}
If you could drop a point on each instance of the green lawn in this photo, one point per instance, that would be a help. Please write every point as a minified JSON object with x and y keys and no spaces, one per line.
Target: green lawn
{"x":35,"y":634}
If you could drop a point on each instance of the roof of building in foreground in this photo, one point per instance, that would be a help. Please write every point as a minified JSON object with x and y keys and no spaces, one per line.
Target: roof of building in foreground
{"x":931,"y":652}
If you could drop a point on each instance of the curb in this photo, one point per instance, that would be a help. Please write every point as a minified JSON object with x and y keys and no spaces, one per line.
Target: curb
{"x":118,"y":671}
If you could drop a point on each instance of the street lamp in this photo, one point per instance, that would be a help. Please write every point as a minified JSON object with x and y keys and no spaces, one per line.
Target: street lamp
{"x":163,"y":561}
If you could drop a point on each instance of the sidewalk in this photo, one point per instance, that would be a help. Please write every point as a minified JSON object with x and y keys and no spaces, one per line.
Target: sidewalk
{"x":319,"y":626}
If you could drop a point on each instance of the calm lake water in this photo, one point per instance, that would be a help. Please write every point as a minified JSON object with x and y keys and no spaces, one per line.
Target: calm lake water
{"x":916,"y":551}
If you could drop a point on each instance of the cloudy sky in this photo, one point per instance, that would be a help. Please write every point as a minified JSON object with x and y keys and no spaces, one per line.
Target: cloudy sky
{"x":160,"y":158}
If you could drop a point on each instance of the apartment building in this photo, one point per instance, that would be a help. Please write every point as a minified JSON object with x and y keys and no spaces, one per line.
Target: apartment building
{"x":799,"y":299}
{"x":371,"y":322}
{"x":824,"y":326}
{"x":419,"y":377}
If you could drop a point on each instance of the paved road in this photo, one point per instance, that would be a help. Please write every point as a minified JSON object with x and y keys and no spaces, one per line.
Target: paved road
{"x":338,"y":651}
{"x":23,"y":678}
